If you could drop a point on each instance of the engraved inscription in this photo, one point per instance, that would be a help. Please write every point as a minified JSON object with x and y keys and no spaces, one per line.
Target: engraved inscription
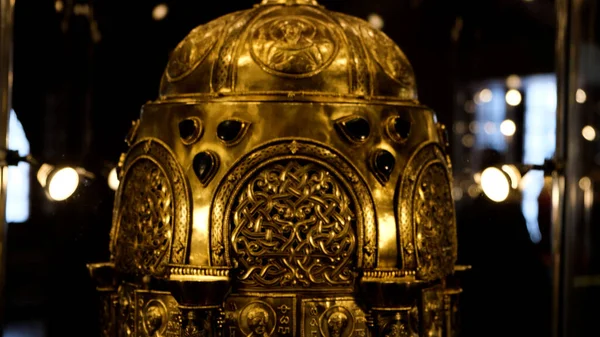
{"x":293,"y":225}
{"x":294,"y":46}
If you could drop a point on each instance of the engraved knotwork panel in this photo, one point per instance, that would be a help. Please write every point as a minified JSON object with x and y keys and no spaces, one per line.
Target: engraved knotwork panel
{"x":434,"y":223}
{"x":293,"y":225}
{"x":294,"y":46}
{"x":426,"y":220}
{"x":151,"y":211}
{"x":300,"y":150}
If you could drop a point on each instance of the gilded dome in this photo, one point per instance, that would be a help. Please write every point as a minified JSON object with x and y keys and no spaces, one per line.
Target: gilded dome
{"x":288,"y":48}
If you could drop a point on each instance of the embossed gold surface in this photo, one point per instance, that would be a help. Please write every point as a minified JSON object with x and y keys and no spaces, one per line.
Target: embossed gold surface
{"x":286,"y":182}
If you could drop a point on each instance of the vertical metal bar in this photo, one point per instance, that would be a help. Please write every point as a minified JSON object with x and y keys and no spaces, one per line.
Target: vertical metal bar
{"x":6,"y":76}
{"x":558,"y":180}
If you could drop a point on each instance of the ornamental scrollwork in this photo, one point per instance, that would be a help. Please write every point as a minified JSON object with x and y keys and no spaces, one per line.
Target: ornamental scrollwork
{"x":294,"y":225}
{"x":301,"y":182}
{"x":426,"y":219}
{"x":152,"y":211}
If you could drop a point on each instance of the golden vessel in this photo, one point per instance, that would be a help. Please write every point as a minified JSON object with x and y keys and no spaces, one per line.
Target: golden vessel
{"x":287,"y":182}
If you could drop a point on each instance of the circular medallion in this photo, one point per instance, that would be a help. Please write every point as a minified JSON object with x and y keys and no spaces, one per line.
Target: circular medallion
{"x":337,"y":321}
{"x":388,"y":55}
{"x":155,"y":318}
{"x":293,"y":46}
{"x":257,"y":319}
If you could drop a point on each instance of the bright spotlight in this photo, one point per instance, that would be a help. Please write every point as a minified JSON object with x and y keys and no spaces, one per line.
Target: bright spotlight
{"x":494,"y":184}
{"x":375,"y":21}
{"x":160,"y":12}
{"x":61,"y":184}
{"x":513,"y":82}
{"x":508,"y":127}
{"x":485,"y":96}
{"x":588,"y":132}
{"x":513,"y":97}
{"x":580,"y":96}
{"x":113,"y":179}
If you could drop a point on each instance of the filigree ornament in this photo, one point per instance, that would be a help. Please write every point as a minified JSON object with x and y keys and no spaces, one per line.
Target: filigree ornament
{"x":388,"y":55}
{"x":293,"y":225}
{"x":434,"y":223}
{"x":267,"y":211}
{"x":146,"y":218}
{"x":294,"y":46}
{"x":152,"y":216}
{"x":426,"y":219}
{"x":126,"y":311}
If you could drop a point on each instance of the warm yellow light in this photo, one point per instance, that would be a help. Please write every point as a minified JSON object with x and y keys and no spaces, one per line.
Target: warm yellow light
{"x":580,"y":96}
{"x":513,"y":97}
{"x":494,"y":184}
{"x":485,"y":96}
{"x":63,"y":183}
{"x":585,"y":183}
{"x":514,"y":174}
{"x":588,"y":132}
{"x":160,"y":12}
{"x":513,"y":82}
{"x":375,"y":21}
{"x":113,"y":179}
{"x":508,"y":127}
{"x":468,"y":140}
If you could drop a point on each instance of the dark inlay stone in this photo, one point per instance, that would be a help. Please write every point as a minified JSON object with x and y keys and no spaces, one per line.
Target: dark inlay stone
{"x":188,"y":129}
{"x":229,"y":130}
{"x":402,"y":127}
{"x":384,"y":164}
{"x":357,"y":128}
{"x":204,"y":164}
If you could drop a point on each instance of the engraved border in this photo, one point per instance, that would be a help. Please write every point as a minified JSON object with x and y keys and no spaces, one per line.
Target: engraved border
{"x":157,"y":151}
{"x":293,"y":148}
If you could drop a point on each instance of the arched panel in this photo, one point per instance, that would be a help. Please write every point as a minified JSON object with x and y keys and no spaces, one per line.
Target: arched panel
{"x":152,"y":211}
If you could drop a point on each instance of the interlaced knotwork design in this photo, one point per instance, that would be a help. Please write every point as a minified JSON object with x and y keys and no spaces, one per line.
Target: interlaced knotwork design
{"x":145,"y":225}
{"x":434,"y":222}
{"x":293,"y":225}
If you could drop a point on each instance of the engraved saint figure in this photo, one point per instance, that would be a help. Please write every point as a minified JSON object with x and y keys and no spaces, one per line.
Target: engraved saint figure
{"x":258,"y":318}
{"x":292,"y":46}
{"x":153,"y":320}
{"x":336,"y":323}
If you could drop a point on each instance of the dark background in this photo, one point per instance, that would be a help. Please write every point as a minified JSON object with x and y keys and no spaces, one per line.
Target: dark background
{"x":76,"y":98}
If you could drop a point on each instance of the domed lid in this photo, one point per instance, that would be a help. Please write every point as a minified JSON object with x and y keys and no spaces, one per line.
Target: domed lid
{"x":289,"y":48}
